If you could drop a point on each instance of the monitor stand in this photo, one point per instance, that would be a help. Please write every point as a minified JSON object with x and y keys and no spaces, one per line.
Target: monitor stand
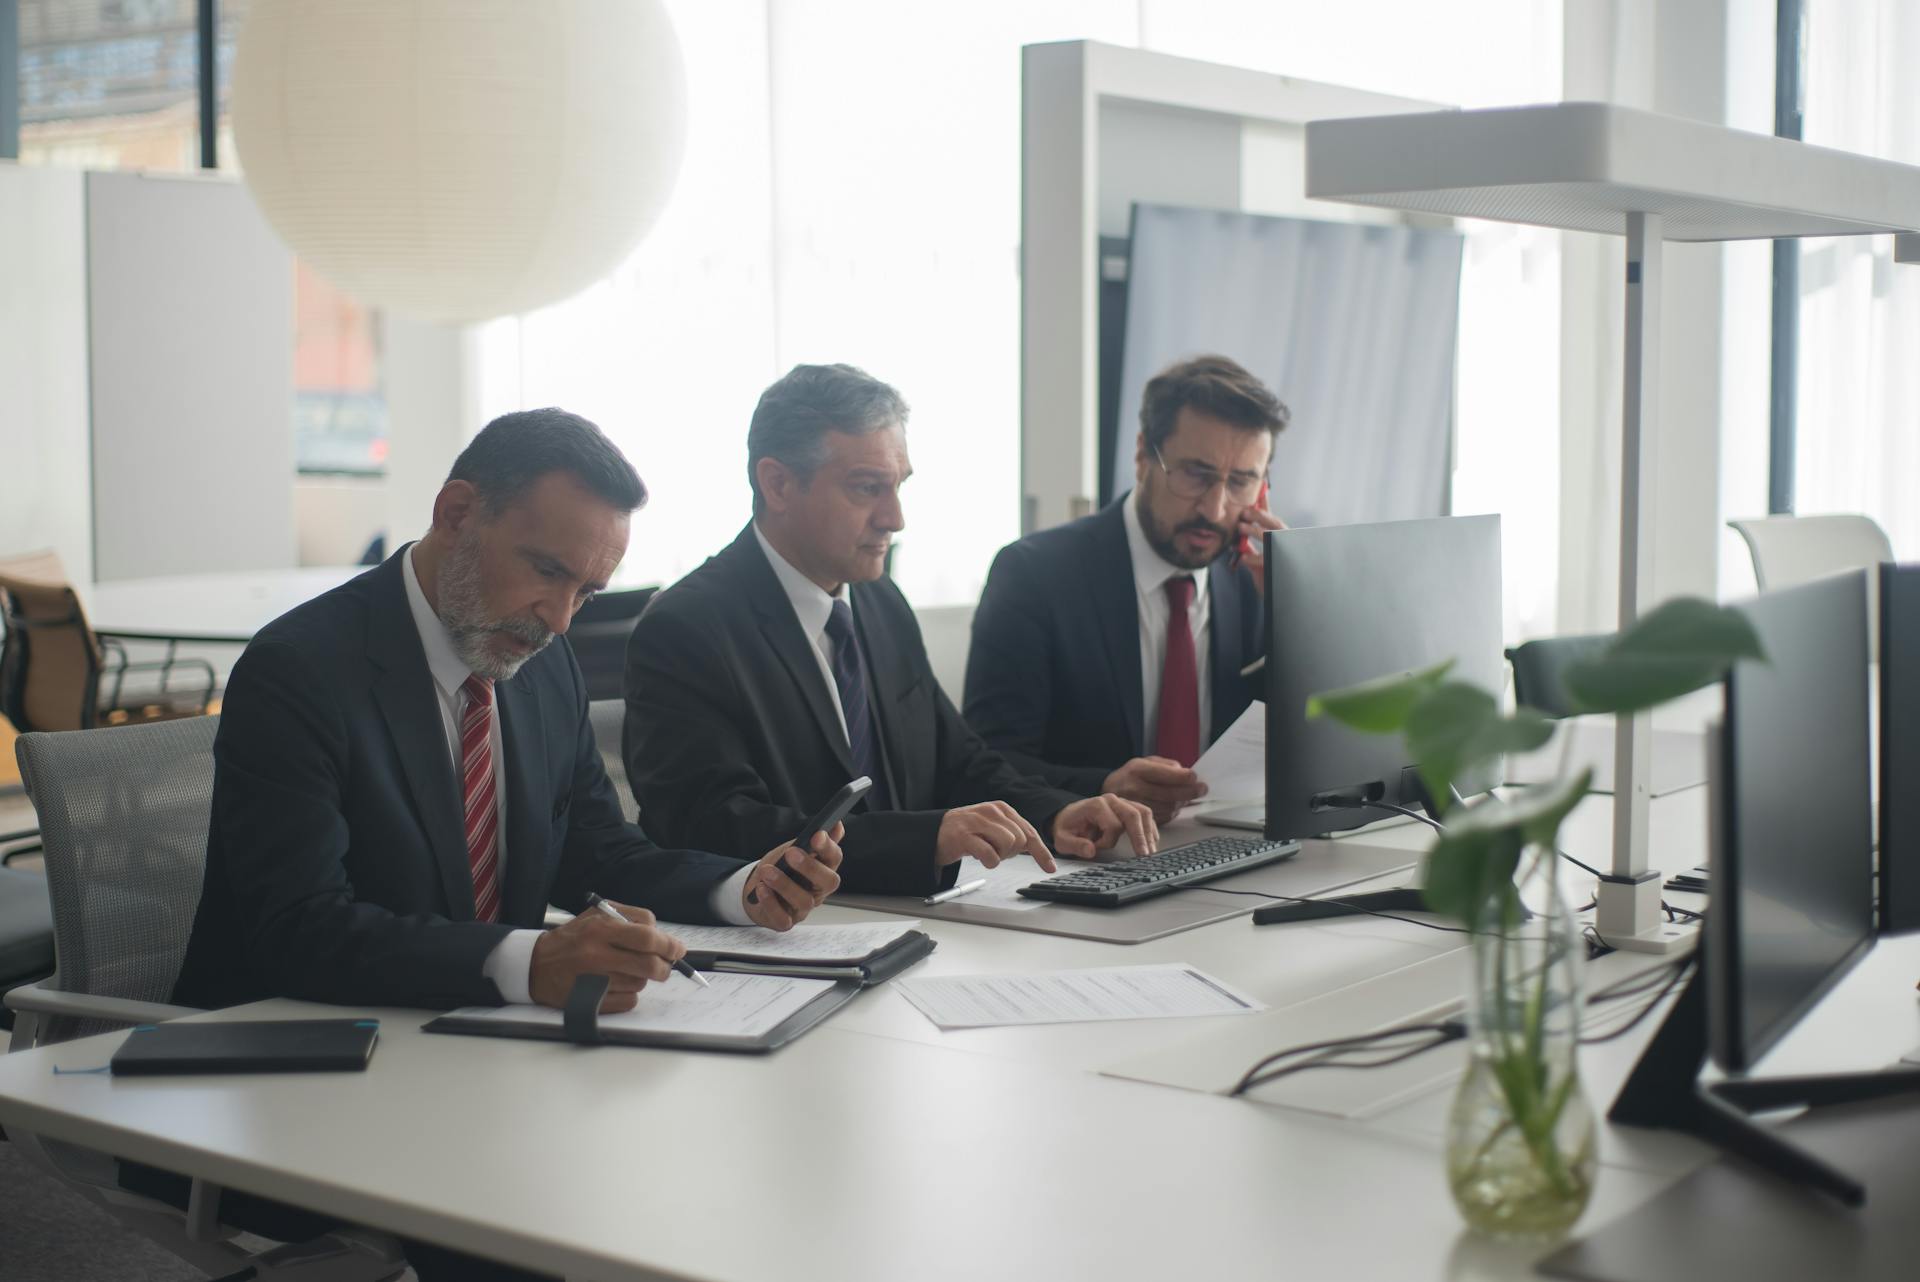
{"x":1664,"y":1092}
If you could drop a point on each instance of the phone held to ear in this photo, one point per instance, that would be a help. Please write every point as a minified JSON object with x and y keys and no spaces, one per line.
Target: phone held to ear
{"x":1243,"y":547}
{"x":822,"y":820}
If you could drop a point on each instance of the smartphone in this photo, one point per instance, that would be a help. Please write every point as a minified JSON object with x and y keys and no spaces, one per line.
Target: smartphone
{"x":822,"y":820}
{"x":1244,"y":547}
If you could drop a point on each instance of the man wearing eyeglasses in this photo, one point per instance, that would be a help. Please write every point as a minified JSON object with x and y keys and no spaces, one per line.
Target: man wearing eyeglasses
{"x":1107,"y":652}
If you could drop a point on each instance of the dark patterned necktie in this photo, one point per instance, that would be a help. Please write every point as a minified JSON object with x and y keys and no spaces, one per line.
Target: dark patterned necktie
{"x":850,"y":675}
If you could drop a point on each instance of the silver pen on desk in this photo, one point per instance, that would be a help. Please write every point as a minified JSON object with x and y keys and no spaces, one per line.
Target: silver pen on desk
{"x":605,"y":906}
{"x":964,"y":888}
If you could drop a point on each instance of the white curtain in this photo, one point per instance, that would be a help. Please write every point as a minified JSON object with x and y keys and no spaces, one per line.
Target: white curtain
{"x":1859,"y":396}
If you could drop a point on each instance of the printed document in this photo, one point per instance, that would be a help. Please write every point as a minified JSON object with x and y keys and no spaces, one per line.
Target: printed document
{"x":743,"y":1006}
{"x":825,"y":944}
{"x":1074,"y":996}
{"x":1235,"y":767}
{"x":1003,"y":883}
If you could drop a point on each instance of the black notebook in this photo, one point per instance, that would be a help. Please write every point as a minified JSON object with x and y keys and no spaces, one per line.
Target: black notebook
{"x":248,"y":1046}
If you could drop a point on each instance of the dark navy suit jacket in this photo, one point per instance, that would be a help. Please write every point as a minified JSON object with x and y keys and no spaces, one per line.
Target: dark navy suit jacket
{"x":336,"y":861}
{"x":732,"y":739}
{"x":1053,"y":675}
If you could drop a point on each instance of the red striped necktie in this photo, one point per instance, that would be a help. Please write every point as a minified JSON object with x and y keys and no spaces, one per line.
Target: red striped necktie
{"x":477,"y":790}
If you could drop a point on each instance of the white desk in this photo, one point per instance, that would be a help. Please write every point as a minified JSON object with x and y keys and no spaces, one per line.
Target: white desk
{"x":215,"y":608}
{"x":879,"y":1148}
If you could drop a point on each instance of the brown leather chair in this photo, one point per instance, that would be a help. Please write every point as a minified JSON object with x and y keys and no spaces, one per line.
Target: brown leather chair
{"x":55,"y":674}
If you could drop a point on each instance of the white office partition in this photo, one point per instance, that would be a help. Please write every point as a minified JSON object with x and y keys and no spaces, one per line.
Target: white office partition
{"x":190,"y":310}
{"x":44,"y":499}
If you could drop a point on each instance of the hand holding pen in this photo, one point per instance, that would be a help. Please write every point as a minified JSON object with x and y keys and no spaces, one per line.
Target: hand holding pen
{"x":619,"y":942}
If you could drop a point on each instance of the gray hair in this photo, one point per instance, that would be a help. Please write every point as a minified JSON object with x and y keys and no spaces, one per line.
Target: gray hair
{"x":796,"y":413}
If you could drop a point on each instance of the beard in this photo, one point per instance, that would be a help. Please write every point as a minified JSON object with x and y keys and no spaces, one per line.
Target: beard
{"x":463,"y":609}
{"x":1161,"y":539}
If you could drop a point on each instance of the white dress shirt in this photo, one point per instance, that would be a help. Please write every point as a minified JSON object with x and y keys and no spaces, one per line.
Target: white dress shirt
{"x":510,"y":964}
{"x":1150,"y":574}
{"x":813,"y":607}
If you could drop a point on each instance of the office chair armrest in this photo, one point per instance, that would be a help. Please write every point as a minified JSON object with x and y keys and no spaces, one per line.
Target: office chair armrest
{"x":39,"y":999}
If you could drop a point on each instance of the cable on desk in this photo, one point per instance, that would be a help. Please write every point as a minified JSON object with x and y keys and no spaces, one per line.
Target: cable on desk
{"x":1439,"y":1034}
{"x":1344,"y":903}
{"x":1640,"y":984}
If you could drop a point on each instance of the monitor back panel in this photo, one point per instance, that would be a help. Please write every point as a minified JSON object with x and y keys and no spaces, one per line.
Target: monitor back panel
{"x":1350,"y":603}
{"x":1899,"y":748}
{"x":1793,"y":850}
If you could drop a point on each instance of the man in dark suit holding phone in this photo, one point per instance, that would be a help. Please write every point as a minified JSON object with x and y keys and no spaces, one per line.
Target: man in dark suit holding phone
{"x":1107,"y":652}
{"x":789,"y":663}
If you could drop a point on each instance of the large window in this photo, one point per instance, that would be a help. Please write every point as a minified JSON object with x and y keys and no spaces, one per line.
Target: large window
{"x":852,"y":193}
{"x":109,"y":84}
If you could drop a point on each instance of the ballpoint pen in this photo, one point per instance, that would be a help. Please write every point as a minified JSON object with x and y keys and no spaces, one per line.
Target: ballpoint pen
{"x":606,"y":906}
{"x":964,"y":888}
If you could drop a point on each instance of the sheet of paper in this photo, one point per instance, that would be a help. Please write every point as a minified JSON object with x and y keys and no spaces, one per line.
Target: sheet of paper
{"x":1074,"y":996}
{"x":1003,"y":883}
{"x":1235,"y":767}
{"x":805,"y":942}
{"x":743,"y":1006}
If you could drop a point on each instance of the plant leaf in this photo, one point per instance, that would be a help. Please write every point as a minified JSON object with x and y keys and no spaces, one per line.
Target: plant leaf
{"x":1457,"y":727}
{"x":1683,"y":645}
{"x":1471,"y":865}
{"x":1379,"y":706}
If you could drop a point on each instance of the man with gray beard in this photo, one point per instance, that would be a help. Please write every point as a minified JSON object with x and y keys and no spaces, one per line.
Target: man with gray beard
{"x":405,"y":776}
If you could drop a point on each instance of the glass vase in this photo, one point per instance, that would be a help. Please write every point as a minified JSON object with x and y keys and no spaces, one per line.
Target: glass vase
{"x":1520,"y":1138}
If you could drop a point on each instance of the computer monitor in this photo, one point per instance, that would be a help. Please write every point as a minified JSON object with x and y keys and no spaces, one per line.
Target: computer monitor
{"x":1792,"y":906}
{"x":1899,"y":748}
{"x":1349,"y":603}
{"x":1792,"y":818}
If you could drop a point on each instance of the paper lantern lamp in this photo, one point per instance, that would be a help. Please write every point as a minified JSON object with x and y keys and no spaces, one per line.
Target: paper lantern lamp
{"x":459,"y":160}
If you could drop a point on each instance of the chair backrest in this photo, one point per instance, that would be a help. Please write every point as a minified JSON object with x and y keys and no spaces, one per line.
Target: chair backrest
{"x":50,"y":662}
{"x":1791,"y":550}
{"x":123,"y":821}
{"x":599,"y":636}
{"x":1540,"y":670}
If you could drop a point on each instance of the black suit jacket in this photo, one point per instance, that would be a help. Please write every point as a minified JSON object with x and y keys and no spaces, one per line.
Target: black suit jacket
{"x":1053,"y":675}
{"x":731,"y":739}
{"x":336,"y":861}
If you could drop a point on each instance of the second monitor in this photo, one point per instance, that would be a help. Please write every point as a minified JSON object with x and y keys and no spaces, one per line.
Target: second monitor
{"x":1349,"y":603}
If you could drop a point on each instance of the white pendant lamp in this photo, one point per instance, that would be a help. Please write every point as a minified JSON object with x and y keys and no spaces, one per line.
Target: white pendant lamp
{"x":459,"y":160}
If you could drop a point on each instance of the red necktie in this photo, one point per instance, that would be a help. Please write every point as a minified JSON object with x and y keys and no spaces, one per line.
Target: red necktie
{"x":1178,"y":733}
{"x":476,"y":787}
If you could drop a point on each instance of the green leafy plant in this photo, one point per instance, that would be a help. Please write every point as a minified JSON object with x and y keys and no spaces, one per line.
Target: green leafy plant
{"x":1455,"y":730}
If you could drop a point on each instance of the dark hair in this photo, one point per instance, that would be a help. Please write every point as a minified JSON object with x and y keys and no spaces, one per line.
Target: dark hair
{"x":807,"y":403}
{"x":1215,"y":386}
{"x":515,"y":450}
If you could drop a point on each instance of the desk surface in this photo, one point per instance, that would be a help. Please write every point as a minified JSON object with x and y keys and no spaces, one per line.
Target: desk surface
{"x":228,"y":607}
{"x":880,"y":1148}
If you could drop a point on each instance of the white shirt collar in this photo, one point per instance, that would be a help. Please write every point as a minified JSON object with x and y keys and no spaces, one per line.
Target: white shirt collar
{"x":1151,"y":570}
{"x":811,"y":604}
{"x":449,"y":671}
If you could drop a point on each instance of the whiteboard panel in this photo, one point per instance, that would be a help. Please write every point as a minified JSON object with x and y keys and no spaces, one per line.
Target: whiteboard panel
{"x":44,"y":496}
{"x":190,"y":300}
{"x":1354,"y":326}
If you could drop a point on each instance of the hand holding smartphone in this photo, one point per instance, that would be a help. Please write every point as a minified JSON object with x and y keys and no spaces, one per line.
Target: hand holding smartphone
{"x":822,"y":820}
{"x":1243,"y":546}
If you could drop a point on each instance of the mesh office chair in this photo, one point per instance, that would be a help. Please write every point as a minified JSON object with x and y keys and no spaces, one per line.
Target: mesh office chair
{"x":123,"y":818}
{"x":1540,"y":671}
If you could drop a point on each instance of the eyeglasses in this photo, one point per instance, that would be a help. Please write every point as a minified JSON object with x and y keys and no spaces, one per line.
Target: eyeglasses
{"x":1196,"y":481}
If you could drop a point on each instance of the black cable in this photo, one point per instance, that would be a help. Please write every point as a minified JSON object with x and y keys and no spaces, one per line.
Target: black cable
{"x":1451,"y":1030}
{"x":1349,"y":905}
{"x":1679,"y":970}
{"x":1354,"y":803}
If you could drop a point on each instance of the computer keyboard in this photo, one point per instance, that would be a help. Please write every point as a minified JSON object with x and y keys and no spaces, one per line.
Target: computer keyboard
{"x":1109,"y":885}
